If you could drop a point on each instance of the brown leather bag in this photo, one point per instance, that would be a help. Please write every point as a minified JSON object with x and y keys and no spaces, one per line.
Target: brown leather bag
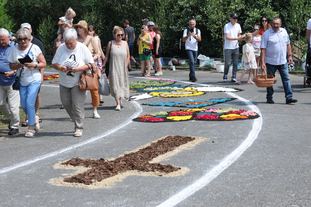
{"x":89,"y":78}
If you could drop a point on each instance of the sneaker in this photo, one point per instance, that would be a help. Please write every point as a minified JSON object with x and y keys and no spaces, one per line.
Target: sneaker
{"x":225,"y":78}
{"x":234,"y":80}
{"x":30,"y":133}
{"x":118,"y":108}
{"x":78,"y":133}
{"x":13,"y":131}
{"x":270,"y":101}
{"x":96,"y":115}
{"x":291,"y":100}
{"x":37,"y":126}
{"x":159,"y":73}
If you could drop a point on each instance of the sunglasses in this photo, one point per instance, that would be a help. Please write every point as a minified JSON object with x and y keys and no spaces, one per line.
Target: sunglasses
{"x":22,"y":39}
{"x":120,"y":35}
{"x":264,"y":20}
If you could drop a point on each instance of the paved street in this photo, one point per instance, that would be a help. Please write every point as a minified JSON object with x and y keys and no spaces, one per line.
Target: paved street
{"x":263,"y":162}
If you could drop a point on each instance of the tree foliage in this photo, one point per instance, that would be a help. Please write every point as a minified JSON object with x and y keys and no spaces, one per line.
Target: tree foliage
{"x":171,"y":15}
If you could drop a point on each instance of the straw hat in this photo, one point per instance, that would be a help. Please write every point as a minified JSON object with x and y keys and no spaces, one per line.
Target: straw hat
{"x":82,"y":24}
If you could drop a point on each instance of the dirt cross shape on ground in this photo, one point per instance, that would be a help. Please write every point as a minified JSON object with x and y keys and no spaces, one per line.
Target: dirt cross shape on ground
{"x":141,"y":161}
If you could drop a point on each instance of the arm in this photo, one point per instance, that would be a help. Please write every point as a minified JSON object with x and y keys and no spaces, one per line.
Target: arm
{"x":158,"y":38}
{"x":185,"y":35}
{"x":128,"y":57}
{"x":95,"y":45}
{"x":107,"y":54}
{"x":263,"y":59}
{"x":289,"y":54}
{"x":308,"y":35}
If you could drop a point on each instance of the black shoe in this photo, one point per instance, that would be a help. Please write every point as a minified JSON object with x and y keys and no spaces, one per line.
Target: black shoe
{"x":290,"y":101}
{"x":13,"y":131}
{"x":270,"y":101}
{"x":193,"y":79}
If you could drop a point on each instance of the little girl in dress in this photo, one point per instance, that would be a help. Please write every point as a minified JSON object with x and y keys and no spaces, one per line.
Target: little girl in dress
{"x":248,"y":59}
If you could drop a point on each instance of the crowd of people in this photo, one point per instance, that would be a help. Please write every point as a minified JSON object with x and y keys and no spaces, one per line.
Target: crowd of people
{"x":78,"y":49}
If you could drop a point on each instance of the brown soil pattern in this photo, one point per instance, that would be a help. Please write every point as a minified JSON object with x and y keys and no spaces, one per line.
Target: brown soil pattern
{"x":140,"y":161}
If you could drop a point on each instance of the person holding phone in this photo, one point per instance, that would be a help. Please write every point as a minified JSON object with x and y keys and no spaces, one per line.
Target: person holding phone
{"x":30,"y":75}
{"x":191,"y":37}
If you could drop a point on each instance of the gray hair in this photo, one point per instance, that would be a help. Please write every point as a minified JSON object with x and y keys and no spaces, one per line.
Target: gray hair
{"x":70,"y":34}
{"x":22,"y":33}
{"x":4,"y":32}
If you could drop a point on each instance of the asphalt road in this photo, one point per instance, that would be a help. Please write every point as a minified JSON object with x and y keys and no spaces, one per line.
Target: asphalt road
{"x":232,"y":167}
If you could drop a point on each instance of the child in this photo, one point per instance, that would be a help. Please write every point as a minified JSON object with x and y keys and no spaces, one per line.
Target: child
{"x":64,"y":23}
{"x":256,"y":43}
{"x":248,"y":59}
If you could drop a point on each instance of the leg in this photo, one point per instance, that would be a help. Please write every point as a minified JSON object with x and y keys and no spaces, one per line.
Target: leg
{"x":191,"y":58}
{"x":13,"y":106}
{"x":148,"y":66}
{"x":142,"y":65}
{"x":271,"y":69}
{"x":65,"y":97}
{"x":77,"y":105}
{"x":32,"y":92}
{"x":95,"y":103}
{"x":228,"y":60}
{"x":283,"y":70}
{"x":235,"y":62}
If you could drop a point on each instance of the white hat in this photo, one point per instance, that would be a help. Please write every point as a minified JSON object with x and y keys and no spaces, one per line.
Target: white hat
{"x":150,"y":23}
{"x":26,"y":25}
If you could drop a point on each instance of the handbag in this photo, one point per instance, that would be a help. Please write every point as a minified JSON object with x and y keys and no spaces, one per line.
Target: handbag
{"x":89,"y":78}
{"x":104,"y":88}
{"x":146,"y":52}
{"x":17,"y":82}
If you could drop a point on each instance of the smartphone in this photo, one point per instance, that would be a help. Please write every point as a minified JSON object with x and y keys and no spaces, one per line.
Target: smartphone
{"x":25,"y":59}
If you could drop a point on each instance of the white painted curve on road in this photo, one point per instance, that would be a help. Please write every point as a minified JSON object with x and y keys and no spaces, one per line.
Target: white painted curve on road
{"x":138,"y":110}
{"x":226,"y":162}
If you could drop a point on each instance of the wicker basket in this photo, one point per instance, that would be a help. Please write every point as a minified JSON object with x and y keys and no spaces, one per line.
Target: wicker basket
{"x":261,"y":80}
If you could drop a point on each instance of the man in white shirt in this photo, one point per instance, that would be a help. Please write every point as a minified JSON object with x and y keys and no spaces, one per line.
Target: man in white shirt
{"x":275,"y":53}
{"x":191,"y":37}
{"x":232,"y":36}
{"x":308,"y":60}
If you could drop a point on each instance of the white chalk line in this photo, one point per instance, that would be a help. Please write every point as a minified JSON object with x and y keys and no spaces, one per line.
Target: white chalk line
{"x":226,"y":162}
{"x":138,"y":111}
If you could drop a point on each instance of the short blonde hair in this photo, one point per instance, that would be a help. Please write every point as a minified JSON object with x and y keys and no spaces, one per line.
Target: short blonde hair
{"x":71,"y":11}
{"x":22,"y":33}
{"x":248,"y":37}
{"x":117,"y":29}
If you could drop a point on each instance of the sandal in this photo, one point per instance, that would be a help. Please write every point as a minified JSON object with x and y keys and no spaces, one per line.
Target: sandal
{"x":30,"y":133}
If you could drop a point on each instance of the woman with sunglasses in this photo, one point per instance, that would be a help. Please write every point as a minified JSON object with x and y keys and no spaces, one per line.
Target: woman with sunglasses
{"x":144,"y":41}
{"x":28,"y":59}
{"x":118,"y":55}
{"x":264,"y":25}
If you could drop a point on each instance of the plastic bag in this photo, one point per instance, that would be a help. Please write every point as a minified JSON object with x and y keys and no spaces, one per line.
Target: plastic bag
{"x":104,"y":88}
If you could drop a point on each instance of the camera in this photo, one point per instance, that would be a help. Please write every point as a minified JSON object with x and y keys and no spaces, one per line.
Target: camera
{"x":191,"y":30}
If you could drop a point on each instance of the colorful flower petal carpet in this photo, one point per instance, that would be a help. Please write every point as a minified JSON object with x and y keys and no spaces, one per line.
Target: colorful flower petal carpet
{"x":203,"y":114}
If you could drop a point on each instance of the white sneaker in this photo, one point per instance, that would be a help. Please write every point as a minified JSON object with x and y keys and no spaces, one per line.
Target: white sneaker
{"x":78,"y":133}
{"x":96,"y":115}
{"x":159,"y":73}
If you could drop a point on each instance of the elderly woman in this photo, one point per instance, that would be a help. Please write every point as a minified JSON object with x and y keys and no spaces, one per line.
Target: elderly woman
{"x":28,"y":59}
{"x":118,"y":55}
{"x":71,"y":59}
{"x":92,"y":44}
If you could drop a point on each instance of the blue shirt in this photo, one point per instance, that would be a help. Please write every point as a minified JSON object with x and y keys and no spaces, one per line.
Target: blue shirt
{"x":275,"y":44}
{"x":4,"y":66}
